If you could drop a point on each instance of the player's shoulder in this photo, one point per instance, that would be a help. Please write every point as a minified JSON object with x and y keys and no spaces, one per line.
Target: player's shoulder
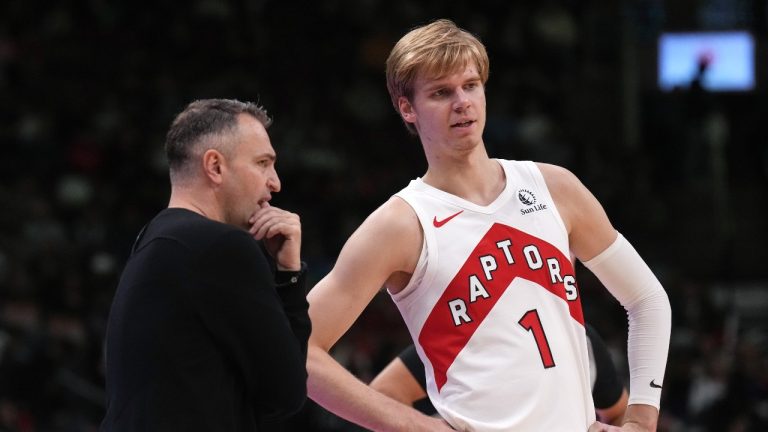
{"x":395,"y":217}
{"x":565,"y":187}
{"x":558,"y":178}
{"x":383,"y":245}
{"x":392,"y":227}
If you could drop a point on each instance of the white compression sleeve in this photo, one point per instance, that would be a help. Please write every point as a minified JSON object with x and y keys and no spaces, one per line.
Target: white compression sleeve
{"x":624,"y":273}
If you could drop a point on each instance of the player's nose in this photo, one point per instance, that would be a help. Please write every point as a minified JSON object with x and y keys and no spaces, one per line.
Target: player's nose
{"x":461,"y":101}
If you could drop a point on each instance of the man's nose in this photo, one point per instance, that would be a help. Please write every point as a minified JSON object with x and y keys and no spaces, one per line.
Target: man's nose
{"x":273,"y":182}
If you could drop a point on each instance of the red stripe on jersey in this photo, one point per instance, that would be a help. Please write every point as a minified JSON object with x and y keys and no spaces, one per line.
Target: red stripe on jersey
{"x":442,"y":339}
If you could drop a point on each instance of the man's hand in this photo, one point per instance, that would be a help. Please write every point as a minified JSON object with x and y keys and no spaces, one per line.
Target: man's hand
{"x":280,"y":231}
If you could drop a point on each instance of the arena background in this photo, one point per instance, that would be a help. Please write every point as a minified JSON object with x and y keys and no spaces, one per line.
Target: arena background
{"x":88,"y":89}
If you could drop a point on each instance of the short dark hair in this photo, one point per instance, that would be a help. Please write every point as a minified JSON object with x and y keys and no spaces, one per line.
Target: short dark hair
{"x":202,"y":120}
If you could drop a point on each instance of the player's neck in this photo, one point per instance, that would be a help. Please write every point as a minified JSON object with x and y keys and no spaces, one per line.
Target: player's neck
{"x":478,"y":179}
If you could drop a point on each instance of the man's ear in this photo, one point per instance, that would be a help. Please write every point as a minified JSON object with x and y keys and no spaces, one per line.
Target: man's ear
{"x":213,"y":165}
{"x":406,"y":109}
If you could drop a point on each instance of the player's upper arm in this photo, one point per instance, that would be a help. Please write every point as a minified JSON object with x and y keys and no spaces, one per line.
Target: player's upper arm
{"x":589,"y":229}
{"x":388,"y":241}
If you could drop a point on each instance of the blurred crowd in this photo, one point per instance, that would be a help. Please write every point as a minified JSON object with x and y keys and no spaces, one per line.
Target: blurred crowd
{"x":88,"y":89}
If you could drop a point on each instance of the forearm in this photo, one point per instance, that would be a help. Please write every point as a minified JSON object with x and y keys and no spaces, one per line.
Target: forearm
{"x":337,"y":390}
{"x":647,"y":344}
{"x":632,"y":282}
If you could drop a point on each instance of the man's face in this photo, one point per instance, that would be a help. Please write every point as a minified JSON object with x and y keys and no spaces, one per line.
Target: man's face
{"x":448,"y":110}
{"x":251,"y":177}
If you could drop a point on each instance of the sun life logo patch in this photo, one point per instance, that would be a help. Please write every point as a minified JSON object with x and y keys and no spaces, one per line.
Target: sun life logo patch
{"x":526,"y":197}
{"x":529,"y":199}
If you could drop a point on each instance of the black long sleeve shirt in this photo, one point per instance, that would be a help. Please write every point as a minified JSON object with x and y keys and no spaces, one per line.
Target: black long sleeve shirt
{"x":203,"y":334}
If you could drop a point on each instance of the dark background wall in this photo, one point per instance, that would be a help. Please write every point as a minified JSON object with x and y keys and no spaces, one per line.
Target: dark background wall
{"x":88,"y":89}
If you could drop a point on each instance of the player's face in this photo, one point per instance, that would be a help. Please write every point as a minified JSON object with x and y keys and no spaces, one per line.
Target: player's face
{"x":251,"y":173}
{"x":448,"y":110}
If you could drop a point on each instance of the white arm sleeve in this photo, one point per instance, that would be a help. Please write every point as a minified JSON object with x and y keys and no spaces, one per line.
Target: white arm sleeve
{"x":629,"y":279}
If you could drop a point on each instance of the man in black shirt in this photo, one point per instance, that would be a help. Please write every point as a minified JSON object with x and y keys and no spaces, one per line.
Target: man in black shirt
{"x":208,"y":328}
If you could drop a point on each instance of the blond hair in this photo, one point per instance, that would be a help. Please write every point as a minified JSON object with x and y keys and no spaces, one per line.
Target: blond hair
{"x":433,"y":50}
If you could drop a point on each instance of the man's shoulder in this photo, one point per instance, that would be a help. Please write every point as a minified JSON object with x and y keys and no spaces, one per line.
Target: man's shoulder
{"x":193,"y":231}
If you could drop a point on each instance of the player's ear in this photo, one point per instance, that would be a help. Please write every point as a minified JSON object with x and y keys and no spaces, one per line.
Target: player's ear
{"x":213,"y":165}
{"x":406,"y":109}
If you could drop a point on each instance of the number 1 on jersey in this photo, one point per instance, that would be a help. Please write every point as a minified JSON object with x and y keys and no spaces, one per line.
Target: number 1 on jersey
{"x":531,"y":322}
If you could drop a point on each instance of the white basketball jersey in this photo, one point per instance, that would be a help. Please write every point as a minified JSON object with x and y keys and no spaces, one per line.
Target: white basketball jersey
{"x":494,"y":309}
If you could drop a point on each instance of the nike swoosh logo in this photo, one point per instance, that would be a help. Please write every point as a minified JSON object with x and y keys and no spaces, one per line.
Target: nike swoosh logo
{"x":440,"y":223}
{"x":654,"y":385}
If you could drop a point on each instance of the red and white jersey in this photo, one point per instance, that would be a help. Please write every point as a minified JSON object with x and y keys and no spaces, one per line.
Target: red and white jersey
{"x":494,"y":309}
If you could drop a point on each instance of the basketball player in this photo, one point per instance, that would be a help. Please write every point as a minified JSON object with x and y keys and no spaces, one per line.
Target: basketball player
{"x":476,"y":256}
{"x":403,"y":379}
